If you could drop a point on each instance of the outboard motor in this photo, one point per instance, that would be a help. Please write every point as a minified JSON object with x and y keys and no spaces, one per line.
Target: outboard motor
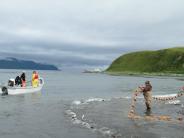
{"x":11,"y":82}
{"x":4,"y":91}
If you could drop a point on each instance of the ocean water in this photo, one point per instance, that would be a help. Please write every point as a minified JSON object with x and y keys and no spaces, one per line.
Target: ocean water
{"x":79,"y":105}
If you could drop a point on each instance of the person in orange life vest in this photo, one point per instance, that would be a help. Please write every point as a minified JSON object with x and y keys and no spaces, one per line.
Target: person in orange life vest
{"x":23,"y":79}
{"x":35,"y":79}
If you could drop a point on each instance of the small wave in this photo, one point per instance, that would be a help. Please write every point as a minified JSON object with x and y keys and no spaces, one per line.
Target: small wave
{"x":92,"y":126}
{"x":166,"y":95}
{"x":77,"y":121}
{"x":95,"y":100}
{"x":127,"y":97}
{"x":70,"y":113}
{"x":82,"y":123}
{"x":108,"y":132}
{"x":122,"y":97}
{"x":175,"y":102}
{"x":76,"y":102}
{"x":88,"y":101}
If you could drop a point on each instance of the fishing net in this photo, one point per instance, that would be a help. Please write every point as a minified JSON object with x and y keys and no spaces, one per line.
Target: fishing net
{"x":133,"y":115}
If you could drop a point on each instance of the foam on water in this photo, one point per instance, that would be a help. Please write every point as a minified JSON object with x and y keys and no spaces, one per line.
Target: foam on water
{"x":90,"y":100}
{"x":108,"y":132}
{"x":127,"y":97}
{"x":175,"y":102}
{"x":95,"y":100}
{"x":92,"y":126}
{"x":76,"y":102}
{"x":166,"y":95}
{"x":84,"y":123}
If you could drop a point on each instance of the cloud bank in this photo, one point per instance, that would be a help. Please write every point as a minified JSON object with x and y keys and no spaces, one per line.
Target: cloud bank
{"x":87,"y":32}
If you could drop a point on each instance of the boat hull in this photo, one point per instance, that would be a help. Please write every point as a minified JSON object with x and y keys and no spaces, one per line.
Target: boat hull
{"x":22,"y":90}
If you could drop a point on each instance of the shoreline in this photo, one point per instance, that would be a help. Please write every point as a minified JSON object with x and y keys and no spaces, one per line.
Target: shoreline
{"x":143,"y":74}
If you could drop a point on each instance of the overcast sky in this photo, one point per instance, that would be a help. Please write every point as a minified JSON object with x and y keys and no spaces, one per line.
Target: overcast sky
{"x":87,"y":32}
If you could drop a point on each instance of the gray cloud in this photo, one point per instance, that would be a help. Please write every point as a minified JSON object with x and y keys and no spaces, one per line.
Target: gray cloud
{"x":93,"y":32}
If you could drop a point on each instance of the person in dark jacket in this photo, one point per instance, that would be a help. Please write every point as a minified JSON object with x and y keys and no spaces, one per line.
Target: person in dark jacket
{"x":23,"y":79}
{"x":18,"y":81}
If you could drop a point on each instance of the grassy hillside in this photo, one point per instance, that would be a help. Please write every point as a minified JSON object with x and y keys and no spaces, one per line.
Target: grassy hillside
{"x":161,"y":61}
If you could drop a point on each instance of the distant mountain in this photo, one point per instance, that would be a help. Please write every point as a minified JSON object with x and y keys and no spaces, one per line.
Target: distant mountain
{"x":13,"y":63}
{"x":161,"y":61}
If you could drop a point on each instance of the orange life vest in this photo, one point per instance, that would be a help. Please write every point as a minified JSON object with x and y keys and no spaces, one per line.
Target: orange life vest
{"x":36,"y":76}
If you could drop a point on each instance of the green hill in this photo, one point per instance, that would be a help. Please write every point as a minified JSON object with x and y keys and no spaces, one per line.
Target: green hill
{"x":161,"y":61}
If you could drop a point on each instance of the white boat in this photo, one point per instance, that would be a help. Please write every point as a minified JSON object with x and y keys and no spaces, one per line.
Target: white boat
{"x":8,"y":90}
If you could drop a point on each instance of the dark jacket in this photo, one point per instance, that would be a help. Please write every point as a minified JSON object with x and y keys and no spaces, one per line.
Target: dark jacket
{"x":18,"y":81}
{"x":23,"y":76}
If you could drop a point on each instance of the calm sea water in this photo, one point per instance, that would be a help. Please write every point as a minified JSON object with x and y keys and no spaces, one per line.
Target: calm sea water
{"x":78,"y":105}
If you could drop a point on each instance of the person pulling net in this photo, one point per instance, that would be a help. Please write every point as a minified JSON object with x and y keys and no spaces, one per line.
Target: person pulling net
{"x":146,"y":91}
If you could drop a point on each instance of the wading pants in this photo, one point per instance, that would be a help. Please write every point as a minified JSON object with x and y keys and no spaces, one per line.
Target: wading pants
{"x":148,"y":99}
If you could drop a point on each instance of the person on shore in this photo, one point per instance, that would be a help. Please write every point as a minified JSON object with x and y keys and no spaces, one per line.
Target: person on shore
{"x":23,"y":79}
{"x":35,"y":79}
{"x":147,"y":92}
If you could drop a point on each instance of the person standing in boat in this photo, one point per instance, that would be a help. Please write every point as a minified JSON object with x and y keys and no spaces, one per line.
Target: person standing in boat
{"x":23,"y":79}
{"x":147,"y":92}
{"x":35,"y":79}
{"x":18,"y":81}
